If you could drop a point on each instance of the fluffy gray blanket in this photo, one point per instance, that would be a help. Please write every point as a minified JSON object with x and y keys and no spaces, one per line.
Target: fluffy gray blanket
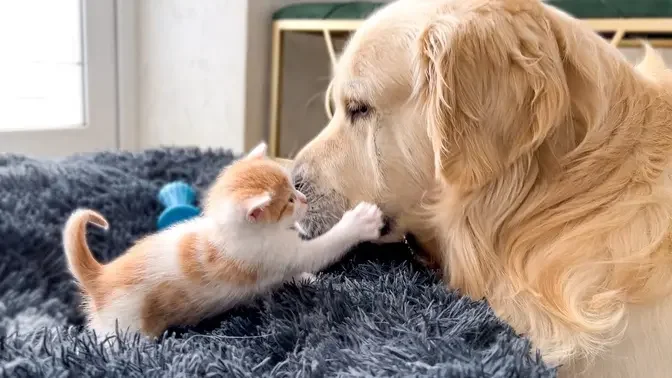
{"x":374,"y":314}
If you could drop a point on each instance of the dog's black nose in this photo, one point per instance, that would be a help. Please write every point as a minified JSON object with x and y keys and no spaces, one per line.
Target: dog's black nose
{"x":388,"y":224}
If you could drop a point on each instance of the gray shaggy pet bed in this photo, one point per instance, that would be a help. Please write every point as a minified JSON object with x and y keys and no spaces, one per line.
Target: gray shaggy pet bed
{"x":374,"y":314}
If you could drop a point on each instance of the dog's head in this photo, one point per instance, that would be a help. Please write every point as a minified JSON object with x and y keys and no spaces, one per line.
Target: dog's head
{"x":444,"y":93}
{"x":519,"y":140}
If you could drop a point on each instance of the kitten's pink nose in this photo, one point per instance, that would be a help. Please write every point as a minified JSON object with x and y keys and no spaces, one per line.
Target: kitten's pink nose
{"x":302,"y":198}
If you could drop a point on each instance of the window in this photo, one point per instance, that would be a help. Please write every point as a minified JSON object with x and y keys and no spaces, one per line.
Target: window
{"x":41,"y":71}
{"x":57,"y":76}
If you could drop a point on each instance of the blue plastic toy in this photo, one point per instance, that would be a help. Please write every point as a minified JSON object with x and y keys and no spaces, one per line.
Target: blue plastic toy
{"x":178,"y":198}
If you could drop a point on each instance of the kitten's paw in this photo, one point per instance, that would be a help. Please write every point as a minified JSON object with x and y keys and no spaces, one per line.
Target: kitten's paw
{"x":365,"y":221}
{"x":304,"y":278}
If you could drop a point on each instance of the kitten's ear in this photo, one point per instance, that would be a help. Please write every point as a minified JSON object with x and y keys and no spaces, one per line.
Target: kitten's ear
{"x":256,"y":206}
{"x":258,"y":152}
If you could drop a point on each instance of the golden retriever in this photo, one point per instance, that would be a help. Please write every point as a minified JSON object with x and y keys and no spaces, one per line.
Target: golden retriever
{"x":530,"y":160}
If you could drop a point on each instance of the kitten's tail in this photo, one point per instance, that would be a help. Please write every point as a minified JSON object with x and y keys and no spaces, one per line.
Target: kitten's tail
{"x":81,"y":262}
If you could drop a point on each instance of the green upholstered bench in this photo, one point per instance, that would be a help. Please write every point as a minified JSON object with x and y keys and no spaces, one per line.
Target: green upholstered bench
{"x":588,"y":9}
{"x":622,"y":21}
{"x":353,"y":10}
{"x":357,"y":10}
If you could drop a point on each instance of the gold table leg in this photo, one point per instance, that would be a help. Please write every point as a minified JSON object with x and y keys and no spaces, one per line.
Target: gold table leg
{"x":276,"y":92}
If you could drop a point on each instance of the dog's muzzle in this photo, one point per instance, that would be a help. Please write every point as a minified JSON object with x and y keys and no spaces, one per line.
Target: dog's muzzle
{"x":325,"y":209}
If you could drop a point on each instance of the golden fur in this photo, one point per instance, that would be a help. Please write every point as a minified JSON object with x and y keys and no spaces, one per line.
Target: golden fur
{"x":529,"y":158}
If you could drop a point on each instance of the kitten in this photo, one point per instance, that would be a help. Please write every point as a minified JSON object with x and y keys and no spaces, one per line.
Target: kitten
{"x":243,"y":245}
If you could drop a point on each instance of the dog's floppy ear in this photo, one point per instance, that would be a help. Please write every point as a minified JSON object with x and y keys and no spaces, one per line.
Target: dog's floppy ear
{"x":491,"y":83}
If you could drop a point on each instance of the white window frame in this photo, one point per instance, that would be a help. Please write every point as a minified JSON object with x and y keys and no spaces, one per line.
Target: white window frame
{"x":109,"y":88}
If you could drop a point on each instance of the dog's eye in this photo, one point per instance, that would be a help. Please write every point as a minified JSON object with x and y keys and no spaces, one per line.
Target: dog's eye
{"x":358,"y":110}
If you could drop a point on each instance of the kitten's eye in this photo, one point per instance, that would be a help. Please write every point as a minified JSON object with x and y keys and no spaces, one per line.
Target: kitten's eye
{"x":358,"y":110}
{"x":292,"y":199}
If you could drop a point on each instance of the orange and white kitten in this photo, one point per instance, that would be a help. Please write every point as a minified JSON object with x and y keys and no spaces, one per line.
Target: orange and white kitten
{"x":243,"y":245}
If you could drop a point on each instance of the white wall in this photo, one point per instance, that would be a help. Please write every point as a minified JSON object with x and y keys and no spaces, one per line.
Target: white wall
{"x":203,"y":75}
{"x":192,"y":71}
